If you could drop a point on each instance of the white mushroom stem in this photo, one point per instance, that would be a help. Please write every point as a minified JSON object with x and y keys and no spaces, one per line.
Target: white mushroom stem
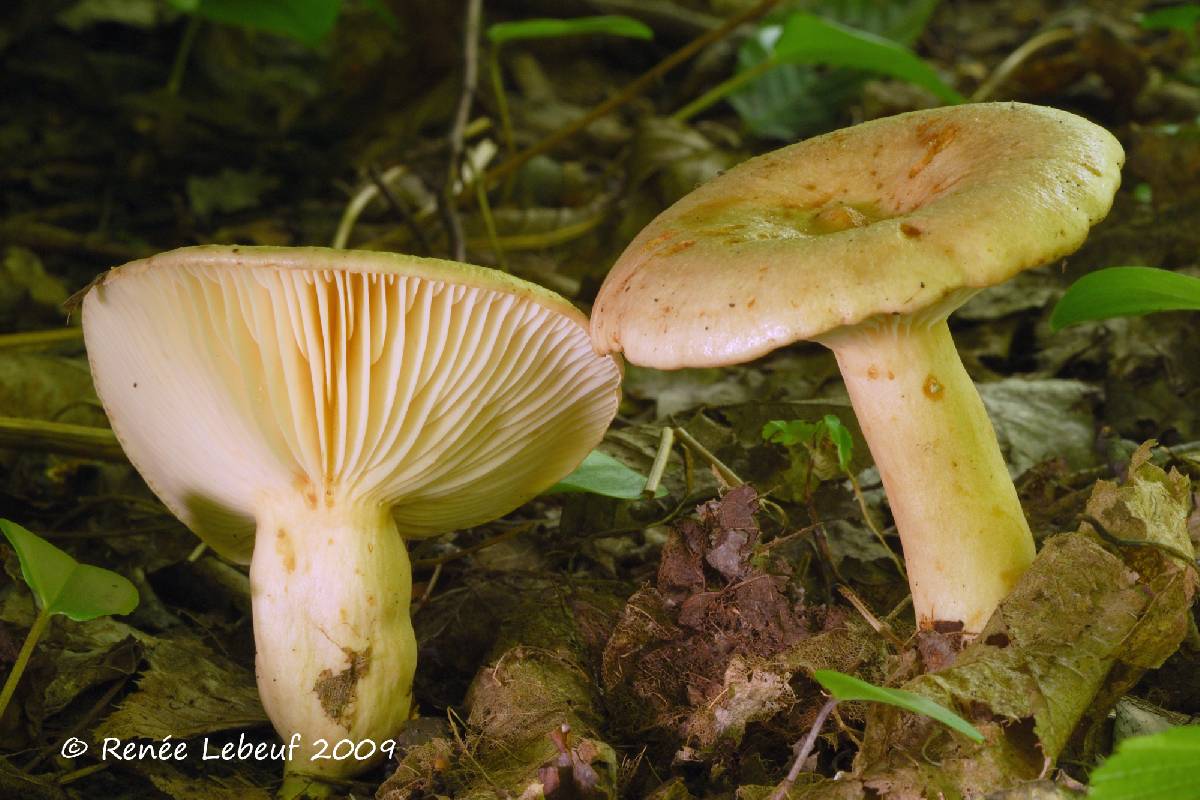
{"x":965,"y":538}
{"x":335,"y":645}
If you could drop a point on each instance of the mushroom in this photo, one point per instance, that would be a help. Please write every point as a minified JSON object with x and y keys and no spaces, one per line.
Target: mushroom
{"x":304,"y":410}
{"x":865,"y":240}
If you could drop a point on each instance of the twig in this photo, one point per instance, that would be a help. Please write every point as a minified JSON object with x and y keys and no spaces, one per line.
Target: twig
{"x":802,"y":751}
{"x":1111,"y":538}
{"x":866,"y":513}
{"x":41,"y":340}
{"x":453,"y":223}
{"x":665,"y":441}
{"x":1018,"y":57}
{"x":725,"y":473}
{"x":59,"y":437}
{"x":400,"y":207}
{"x":880,"y":627}
{"x":631,"y":90}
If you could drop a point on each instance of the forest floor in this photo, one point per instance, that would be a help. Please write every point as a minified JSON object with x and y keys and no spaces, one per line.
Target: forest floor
{"x":677,"y":636}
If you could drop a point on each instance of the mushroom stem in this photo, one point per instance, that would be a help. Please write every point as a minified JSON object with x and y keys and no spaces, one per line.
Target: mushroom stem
{"x":965,"y":538}
{"x":335,"y":645}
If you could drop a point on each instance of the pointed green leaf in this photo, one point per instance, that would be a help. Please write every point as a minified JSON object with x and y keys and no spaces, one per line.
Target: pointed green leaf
{"x":609,"y":25}
{"x":64,"y":586}
{"x":602,"y":474}
{"x":839,"y":434}
{"x":1124,"y":292}
{"x":847,"y":687}
{"x":809,"y":39}
{"x":1161,"y":766}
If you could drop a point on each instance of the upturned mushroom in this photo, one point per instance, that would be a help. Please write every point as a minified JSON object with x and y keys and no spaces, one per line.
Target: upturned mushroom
{"x":305,"y":410}
{"x":865,"y":240}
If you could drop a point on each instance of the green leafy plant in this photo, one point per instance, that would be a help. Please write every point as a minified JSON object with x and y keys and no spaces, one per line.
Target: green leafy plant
{"x":61,"y":585}
{"x":846,"y":687}
{"x":1160,"y":766}
{"x":807,"y":39}
{"x":1125,"y":292}
{"x":821,"y":451}
{"x":1175,"y":18}
{"x":521,"y":30}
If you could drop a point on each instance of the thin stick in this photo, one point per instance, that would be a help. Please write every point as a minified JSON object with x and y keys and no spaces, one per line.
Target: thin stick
{"x":631,"y":90}
{"x":879,"y":626}
{"x":726,"y":474}
{"x":781,"y":791}
{"x":866,"y":513}
{"x":401,"y":208}
{"x":83,"y":772}
{"x":18,"y":667}
{"x":40,"y":340}
{"x":58,"y":437}
{"x":453,"y":223}
{"x":666,"y":440}
{"x":1018,"y":57}
{"x":182,"y":54}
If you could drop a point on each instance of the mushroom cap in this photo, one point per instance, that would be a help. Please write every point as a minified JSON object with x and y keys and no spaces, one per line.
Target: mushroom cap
{"x":241,"y":376}
{"x":888,"y":217}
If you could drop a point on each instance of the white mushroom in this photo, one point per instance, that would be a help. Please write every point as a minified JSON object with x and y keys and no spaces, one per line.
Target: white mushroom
{"x":303,"y":409}
{"x":865,"y":240}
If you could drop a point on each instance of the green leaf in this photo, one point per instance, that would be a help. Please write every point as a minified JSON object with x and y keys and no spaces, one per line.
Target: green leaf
{"x":602,"y":474}
{"x":610,"y":25}
{"x":847,"y":687}
{"x":1177,"y":18}
{"x":1124,"y":292}
{"x":808,"y":39}
{"x":842,"y":440}
{"x":794,"y":100}
{"x":306,"y":21}
{"x":64,"y":586}
{"x":790,"y":432}
{"x":1162,"y":766}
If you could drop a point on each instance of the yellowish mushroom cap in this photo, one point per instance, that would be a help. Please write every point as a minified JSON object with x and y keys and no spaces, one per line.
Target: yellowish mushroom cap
{"x":889,"y":217}
{"x":238,"y":376}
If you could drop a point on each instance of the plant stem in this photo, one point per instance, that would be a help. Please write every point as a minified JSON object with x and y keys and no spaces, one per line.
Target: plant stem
{"x":181,"y":55}
{"x":723,"y":90}
{"x":501,"y":100}
{"x":666,"y":440}
{"x":781,"y":791}
{"x":18,"y":667}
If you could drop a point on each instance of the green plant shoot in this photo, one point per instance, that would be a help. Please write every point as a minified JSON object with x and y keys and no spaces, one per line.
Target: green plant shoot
{"x":1125,"y":292}
{"x":602,"y":474}
{"x":503,"y":32}
{"x":1160,"y":766}
{"x":846,"y":687}
{"x":808,"y":39}
{"x":60,"y":585}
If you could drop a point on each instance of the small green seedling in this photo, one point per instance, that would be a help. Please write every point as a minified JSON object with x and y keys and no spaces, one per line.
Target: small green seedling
{"x":522,"y":30}
{"x":602,"y":474}
{"x":819,"y":441}
{"x":813,"y":446}
{"x":1125,"y":292}
{"x":1160,"y":766}
{"x":809,"y":39}
{"x":61,"y":585}
{"x":846,"y":687}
